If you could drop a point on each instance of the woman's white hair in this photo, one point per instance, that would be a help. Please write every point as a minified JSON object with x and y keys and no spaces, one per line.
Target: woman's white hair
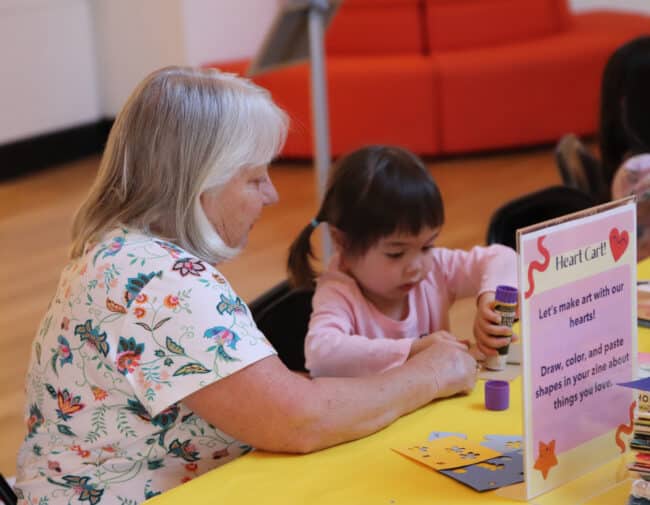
{"x":181,"y":132}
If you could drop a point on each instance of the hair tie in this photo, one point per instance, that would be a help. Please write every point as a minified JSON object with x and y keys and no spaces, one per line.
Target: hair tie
{"x":314,"y":223}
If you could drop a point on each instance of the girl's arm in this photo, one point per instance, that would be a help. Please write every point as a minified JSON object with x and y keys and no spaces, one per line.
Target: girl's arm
{"x":274,"y":409}
{"x":333,"y":347}
{"x":477,"y":273}
{"x":471,"y":273}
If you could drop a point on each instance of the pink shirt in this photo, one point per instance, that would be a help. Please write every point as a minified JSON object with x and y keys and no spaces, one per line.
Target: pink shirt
{"x":348,"y":336}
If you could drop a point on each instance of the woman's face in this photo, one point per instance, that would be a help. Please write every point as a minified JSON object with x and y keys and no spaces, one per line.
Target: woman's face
{"x":234,"y":208}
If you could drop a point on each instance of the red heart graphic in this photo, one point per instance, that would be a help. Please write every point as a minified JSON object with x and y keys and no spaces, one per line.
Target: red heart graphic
{"x":618,"y":242}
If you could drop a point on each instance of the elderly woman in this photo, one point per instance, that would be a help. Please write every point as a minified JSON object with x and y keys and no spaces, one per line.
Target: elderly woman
{"x":147,"y":369}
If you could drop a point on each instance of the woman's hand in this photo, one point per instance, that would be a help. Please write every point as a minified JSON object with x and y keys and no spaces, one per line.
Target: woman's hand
{"x":487,"y":326}
{"x":447,"y":360}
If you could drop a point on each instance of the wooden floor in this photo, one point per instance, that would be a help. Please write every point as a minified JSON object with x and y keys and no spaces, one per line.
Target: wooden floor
{"x":36,"y":211}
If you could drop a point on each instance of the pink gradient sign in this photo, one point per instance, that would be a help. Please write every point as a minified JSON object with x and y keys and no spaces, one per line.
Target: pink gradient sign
{"x":578,"y":353}
{"x":578,"y":329}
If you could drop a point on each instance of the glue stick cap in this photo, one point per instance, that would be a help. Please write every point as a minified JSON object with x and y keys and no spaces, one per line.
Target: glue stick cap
{"x":497,"y":395}
{"x":506,"y":294}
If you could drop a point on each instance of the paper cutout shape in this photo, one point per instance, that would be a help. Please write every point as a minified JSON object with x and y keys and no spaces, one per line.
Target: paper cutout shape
{"x":546,"y":458}
{"x":448,"y":452}
{"x":618,"y":242}
{"x":626,"y":429}
{"x":491,"y":474}
{"x":640,"y":384}
{"x":434,"y":435}
{"x":504,"y":443}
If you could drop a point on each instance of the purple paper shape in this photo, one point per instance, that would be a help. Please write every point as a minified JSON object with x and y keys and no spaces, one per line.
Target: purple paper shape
{"x":640,"y":384}
{"x":435,"y":435}
{"x":503,"y":443}
{"x":483,"y":479}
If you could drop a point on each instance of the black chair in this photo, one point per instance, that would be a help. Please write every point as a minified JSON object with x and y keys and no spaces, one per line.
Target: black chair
{"x":7,"y":494}
{"x":533,"y":208}
{"x":580,"y":169}
{"x":282,"y":314}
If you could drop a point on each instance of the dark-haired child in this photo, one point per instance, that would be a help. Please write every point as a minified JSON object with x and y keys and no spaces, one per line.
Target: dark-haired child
{"x":386,"y":293}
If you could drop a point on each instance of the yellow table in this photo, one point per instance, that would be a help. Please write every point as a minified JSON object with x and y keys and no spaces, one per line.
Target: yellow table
{"x":367,"y":470}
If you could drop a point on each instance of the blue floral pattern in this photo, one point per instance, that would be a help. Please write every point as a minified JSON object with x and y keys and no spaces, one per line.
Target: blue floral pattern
{"x":136,"y":325}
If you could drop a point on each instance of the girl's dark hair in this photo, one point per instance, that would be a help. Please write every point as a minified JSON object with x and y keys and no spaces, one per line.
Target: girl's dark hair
{"x":625,"y":105}
{"x":371,"y":193}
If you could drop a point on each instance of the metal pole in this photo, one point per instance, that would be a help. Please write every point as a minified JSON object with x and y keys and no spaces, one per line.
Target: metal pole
{"x":320,"y":118}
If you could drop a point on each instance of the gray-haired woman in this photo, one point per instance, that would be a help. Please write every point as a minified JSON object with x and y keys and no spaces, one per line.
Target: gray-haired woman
{"x":147,"y":369}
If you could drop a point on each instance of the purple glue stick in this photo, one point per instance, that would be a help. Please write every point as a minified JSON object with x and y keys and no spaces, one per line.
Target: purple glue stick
{"x":505,"y":303}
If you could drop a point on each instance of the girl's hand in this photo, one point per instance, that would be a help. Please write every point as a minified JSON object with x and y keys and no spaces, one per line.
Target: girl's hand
{"x":487,"y":325}
{"x":419,"y":344}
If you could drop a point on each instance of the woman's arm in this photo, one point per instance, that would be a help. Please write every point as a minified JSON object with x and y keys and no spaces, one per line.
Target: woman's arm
{"x":274,"y":409}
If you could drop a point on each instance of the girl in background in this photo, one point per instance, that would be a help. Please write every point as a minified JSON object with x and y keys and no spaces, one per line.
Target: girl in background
{"x":386,"y":293}
{"x":629,"y":143}
{"x":624,"y":127}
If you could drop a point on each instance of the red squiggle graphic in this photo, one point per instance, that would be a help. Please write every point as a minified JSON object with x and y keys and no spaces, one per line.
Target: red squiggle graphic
{"x":625,"y":428}
{"x":536,"y":265}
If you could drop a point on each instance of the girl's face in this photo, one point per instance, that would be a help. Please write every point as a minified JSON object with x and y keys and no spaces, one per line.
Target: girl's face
{"x":392,"y":267}
{"x":234,"y":208}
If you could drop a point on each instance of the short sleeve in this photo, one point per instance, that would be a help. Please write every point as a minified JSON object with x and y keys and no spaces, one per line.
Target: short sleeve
{"x":184,"y":327}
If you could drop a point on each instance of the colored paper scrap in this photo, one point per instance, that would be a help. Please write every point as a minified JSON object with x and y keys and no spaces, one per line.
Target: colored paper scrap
{"x":494,"y":473}
{"x":504,"y":443}
{"x":434,"y":435}
{"x":640,"y":384}
{"x":448,"y":452}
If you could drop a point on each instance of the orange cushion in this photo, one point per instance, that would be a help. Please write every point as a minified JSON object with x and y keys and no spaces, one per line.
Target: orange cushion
{"x":371,"y":100}
{"x":373,"y":27}
{"x":238,"y":67}
{"x":465,"y":24}
{"x":520,"y":94}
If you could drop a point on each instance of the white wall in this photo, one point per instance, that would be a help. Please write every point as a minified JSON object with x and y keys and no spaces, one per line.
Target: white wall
{"x":226,"y":29}
{"x":642,"y":6}
{"x":133,"y":38}
{"x":48,"y":71}
{"x":70,"y":62}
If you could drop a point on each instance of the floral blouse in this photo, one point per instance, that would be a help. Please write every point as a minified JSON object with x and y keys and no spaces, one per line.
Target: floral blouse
{"x":136,"y":325}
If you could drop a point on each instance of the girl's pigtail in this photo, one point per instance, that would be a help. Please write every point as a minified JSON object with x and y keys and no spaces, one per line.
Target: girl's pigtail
{"x":301,"y":274}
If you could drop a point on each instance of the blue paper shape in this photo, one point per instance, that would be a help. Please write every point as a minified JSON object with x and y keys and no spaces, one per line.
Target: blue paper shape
{"x":504,"y":443}
{"x":434,"y":435}
{"x":640,"y":384}
{"x":505,"y":470}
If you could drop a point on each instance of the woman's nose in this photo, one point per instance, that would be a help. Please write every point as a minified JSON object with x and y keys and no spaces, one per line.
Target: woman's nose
{"x":270,"y":193}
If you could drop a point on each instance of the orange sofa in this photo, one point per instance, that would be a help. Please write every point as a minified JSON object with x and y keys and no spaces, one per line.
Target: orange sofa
{"x":450,"y":76}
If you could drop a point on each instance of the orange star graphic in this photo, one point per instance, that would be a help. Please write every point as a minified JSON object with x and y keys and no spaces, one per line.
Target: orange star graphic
{"x":546,"y":459}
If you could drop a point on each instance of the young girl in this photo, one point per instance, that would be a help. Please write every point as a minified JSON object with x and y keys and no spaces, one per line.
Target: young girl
{"x":386,"y":292}
{"x":633,"y":175}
